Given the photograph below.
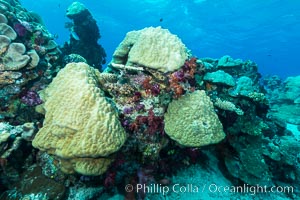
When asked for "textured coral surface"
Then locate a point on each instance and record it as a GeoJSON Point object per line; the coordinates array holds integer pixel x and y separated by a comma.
{"type": "Point", "coordinates": [192, 122]}
{"type": "Point", "coordinates": [151, 47]}
{"type": "Point", "coordinates": [79, 122]}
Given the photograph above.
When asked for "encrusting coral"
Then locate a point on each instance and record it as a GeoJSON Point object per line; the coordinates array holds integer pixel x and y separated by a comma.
{"type": "Point", "coordinates": [81, 126]}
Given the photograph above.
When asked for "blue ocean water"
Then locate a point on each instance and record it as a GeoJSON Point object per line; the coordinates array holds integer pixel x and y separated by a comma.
{"type": "Point", "coordinates": [266, 32]}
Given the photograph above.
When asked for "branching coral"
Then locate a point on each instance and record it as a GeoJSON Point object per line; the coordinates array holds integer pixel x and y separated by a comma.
{"type": "Point", "coordinates": [227, 105]}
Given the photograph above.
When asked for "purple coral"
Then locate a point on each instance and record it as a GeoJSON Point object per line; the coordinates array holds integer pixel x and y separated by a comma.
{"type": "Point", "coordinates": [139, 107]}
{"type": "Point", "coordinates": [20, 29]}
{"type": "Point", "coordinates": [155, 89]}
{"type": "Point", "coordinates": [128, 110]}
{"type": "Point", "coordinates": [31, 98]}
{"type": "Point", "coordinates": [179, 75]}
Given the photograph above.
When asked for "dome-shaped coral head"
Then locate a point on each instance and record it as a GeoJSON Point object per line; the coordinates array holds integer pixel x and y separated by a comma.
{"type": "Point", "coordinates": [76, 10]}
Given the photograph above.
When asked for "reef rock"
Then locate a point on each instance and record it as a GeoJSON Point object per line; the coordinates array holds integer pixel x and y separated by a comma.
{"type": "Point", "coordinates": [192, 122]}
{"type": "Point", "coordinates": [151, 47]}
{"type": "Point", "coordinates": [227, 61]}
{"type": "Point", "coordinates": [84, 36]}
{"type": "Point", "coordinates": [285, 101]}
{"type": "Point", "coordinates": [80, 124]}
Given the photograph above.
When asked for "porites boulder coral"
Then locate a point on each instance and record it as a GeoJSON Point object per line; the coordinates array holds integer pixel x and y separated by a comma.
{"type": "Point", "coordinates": [192, 122]}
{"type": "Point", "coordinates": [81, 126]}
{"type": "Point", "coordinates": [151, 47]}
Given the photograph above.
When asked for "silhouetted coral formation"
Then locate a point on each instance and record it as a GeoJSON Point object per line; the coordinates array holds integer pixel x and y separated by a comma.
{"type": "Point", "coordinates": [84, 36]}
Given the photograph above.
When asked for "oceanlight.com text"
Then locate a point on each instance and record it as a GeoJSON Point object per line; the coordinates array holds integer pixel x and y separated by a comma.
{"type": "Point", "coordinates": [211, 188]}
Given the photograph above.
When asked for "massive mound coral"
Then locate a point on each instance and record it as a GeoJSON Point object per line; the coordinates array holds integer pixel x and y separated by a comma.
{"type": "Point", "coordinates": [192, 122]}
{"type": "Point", "coordinates": [80, 125]}
{"type": "Point", "coordinates": [155, 48]}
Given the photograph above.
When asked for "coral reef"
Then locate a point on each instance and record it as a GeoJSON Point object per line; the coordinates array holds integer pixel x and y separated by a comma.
{"type": "Point", "coordinates": [156, 110]}
{"type": "Point", "coordinates": [84, 36]}
{"type": "Point", "coordinates": [28, 56]}
{"type": "Point", "coordinates": [80, 125]}
{"type": "Point", "coordinates": [284, 98]}
{"type": "Point", "coordinates": [12, 136]}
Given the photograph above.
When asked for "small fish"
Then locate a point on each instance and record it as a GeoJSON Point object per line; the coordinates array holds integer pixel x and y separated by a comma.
{"type": "Point", "coordinates": [69, 25]}
{"type": "Point", "coordinates": [55, 36]}
{"type": "Point", "coordinates": [74, 35]}
{"type": "Point", "coordinates": [161, 19]}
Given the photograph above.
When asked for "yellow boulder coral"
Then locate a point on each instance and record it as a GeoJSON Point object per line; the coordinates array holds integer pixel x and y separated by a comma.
{"type": "Point", "coordinates": [192, 122]}
{"type": "Point", "coordinates": [151, 47]}
{"type": "Point", "coordinates": [79, 121]}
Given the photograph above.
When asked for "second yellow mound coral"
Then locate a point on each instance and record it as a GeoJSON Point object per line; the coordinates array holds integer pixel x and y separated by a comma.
{"type": "Point", "coordinates": [80, 125]}
{"type": "Point", "coordinates": [151, 47]}
{"type": "Point", "coordinates": [192, 122]}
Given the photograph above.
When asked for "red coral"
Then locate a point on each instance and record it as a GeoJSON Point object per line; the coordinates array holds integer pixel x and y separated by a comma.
{"type": "Point", "coordinates": [190, 67]}
{"type": "Point", "coordinates": [151, 124]}
{"type": "Point", "coordinates": [155, 123]}
{"type": "Point", "coordinates": [109, 180]}
{"type": "Point", "coordinates": [150, 87]}
{"type": "Point", "coordinates": [184, 75]}
{"type": "Point", "coordinates": [146, 85]}
{"type": "Point", "coordinates": [175, 85]}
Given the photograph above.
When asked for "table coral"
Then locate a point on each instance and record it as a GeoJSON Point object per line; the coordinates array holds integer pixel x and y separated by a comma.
{"type": "Point", "coordinates": [14, 58]}
{"type": "Point", "coordinates": [7, 31]}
